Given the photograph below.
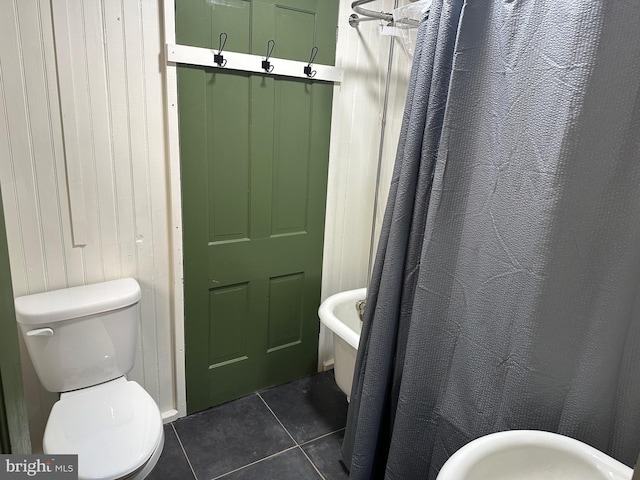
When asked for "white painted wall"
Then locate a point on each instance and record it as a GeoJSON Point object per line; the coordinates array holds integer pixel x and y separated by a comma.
{"type": "Point", "coordinates": [105, 104]}
{"type": "Point", "coordinates": [115, 75]}
{"type": "Point", "coordinates": [358, 104]}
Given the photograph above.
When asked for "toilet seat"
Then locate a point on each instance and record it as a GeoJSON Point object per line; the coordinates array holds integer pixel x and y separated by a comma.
{"type": "Point", "coordinates": [114, 427]}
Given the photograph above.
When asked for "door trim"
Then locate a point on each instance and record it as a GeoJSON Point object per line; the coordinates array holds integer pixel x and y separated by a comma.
{"type": "Point", "coordinates": [175, 197]}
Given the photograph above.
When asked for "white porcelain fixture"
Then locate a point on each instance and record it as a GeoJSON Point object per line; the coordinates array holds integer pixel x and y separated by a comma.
{"type": "Point", "coordinates": [82, 342]}
{"type": "Point", "coordinates": [338, 313]}
{"type": "Point", "coordinates": [531, 455]}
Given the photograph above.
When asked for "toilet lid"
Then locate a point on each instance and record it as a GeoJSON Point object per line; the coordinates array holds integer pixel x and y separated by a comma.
{"type": "Point", "coordinates": [113, 427]}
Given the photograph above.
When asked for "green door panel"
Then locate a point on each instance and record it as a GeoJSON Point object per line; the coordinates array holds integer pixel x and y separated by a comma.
{"type": "Point", "coordinates": [254, 156]}
{"type": "Point", "coordinates": [200, 22]}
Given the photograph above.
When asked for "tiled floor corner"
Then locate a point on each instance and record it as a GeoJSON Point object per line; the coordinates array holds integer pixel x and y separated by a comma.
{"type": "Point", "coordinates": [292, 431]}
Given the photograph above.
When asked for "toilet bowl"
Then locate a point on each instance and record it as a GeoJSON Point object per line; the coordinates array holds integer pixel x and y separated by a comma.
{"type": "Point", "coordinates": [82, 342]}
{"type": "Point", "coordinates": [112, 427]}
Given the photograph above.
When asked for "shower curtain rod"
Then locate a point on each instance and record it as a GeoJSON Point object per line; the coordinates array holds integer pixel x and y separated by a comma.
{"type": "Point", "coordinates": [368, 15]}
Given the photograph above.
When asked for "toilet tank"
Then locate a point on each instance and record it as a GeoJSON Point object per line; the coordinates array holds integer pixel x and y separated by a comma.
{"type": "Point", "coordinates": [81, 336]}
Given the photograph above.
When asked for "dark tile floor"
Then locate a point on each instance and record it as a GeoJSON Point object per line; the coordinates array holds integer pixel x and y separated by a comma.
{"type": "Point", "coordinates": [292, 431]}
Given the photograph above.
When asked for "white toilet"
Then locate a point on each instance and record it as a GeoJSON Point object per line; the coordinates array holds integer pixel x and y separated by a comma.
{"type": "Point", "coordinates": [82, 342]}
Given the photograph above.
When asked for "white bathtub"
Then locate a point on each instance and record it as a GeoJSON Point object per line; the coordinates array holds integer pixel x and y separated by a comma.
{"type": "Point", "coordinates": [338, 313]}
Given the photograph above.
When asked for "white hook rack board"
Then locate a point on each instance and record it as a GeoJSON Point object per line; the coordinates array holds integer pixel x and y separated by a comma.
{"type": "Point", "coordinates": [250, 63]}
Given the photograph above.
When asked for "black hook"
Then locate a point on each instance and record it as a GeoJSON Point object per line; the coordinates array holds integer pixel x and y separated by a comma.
{"type": "Point", "coordinates": [266, 65]}
{"type": "Point", "coordinates": [218, 58]}
{"type": "Point", "coordinates": [307, 70]}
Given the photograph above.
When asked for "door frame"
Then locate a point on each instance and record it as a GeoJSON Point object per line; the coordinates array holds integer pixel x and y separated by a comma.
{"type": "Point", "coordinates": [175, 198]}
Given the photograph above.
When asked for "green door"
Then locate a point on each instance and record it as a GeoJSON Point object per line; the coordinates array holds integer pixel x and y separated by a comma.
{"type": "Point", "coordinates": [254, 154]}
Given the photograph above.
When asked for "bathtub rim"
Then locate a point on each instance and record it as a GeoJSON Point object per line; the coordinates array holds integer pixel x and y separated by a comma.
{"type": "Point", "coordinates": [329, 319]}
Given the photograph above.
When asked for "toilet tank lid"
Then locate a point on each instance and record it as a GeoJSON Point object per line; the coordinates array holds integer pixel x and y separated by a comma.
{"type": "Point", "coordinates": [58, 305]}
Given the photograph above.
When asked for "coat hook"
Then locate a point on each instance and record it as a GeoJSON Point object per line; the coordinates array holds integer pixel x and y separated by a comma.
{"type": "Point", "coordinates": [307, 70]}
{"type": "Point", "coordinates": [266, 65]}
{"type": "Point", "coordinates": [218, 58]}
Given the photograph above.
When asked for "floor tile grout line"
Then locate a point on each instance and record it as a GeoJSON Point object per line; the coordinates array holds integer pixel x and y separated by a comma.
{"type": "Point", "coordinates": [296, 445]}
{"type": "Point", "coordinates": [294, 440]}
{"type": "Point", "coordinates": [311, 462]}
{"type": "Point", "coordinates": [321, 436]}
{"type": "Point", "coordinates": [184, 452]}
{"type": "Point", "coordinates": [276, 417]}
{"type": "Point", "coordinates": [255, 462]}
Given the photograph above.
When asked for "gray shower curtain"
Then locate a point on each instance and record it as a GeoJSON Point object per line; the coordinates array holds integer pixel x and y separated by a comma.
{"type": "Point", "coordinates": [506, 291]}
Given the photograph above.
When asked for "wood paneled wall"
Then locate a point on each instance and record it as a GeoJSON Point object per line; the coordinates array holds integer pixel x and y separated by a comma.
{"type": "Point", "coordinates": [358, 104]}
{"type": "Point", "coordinates": [97, 120]}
